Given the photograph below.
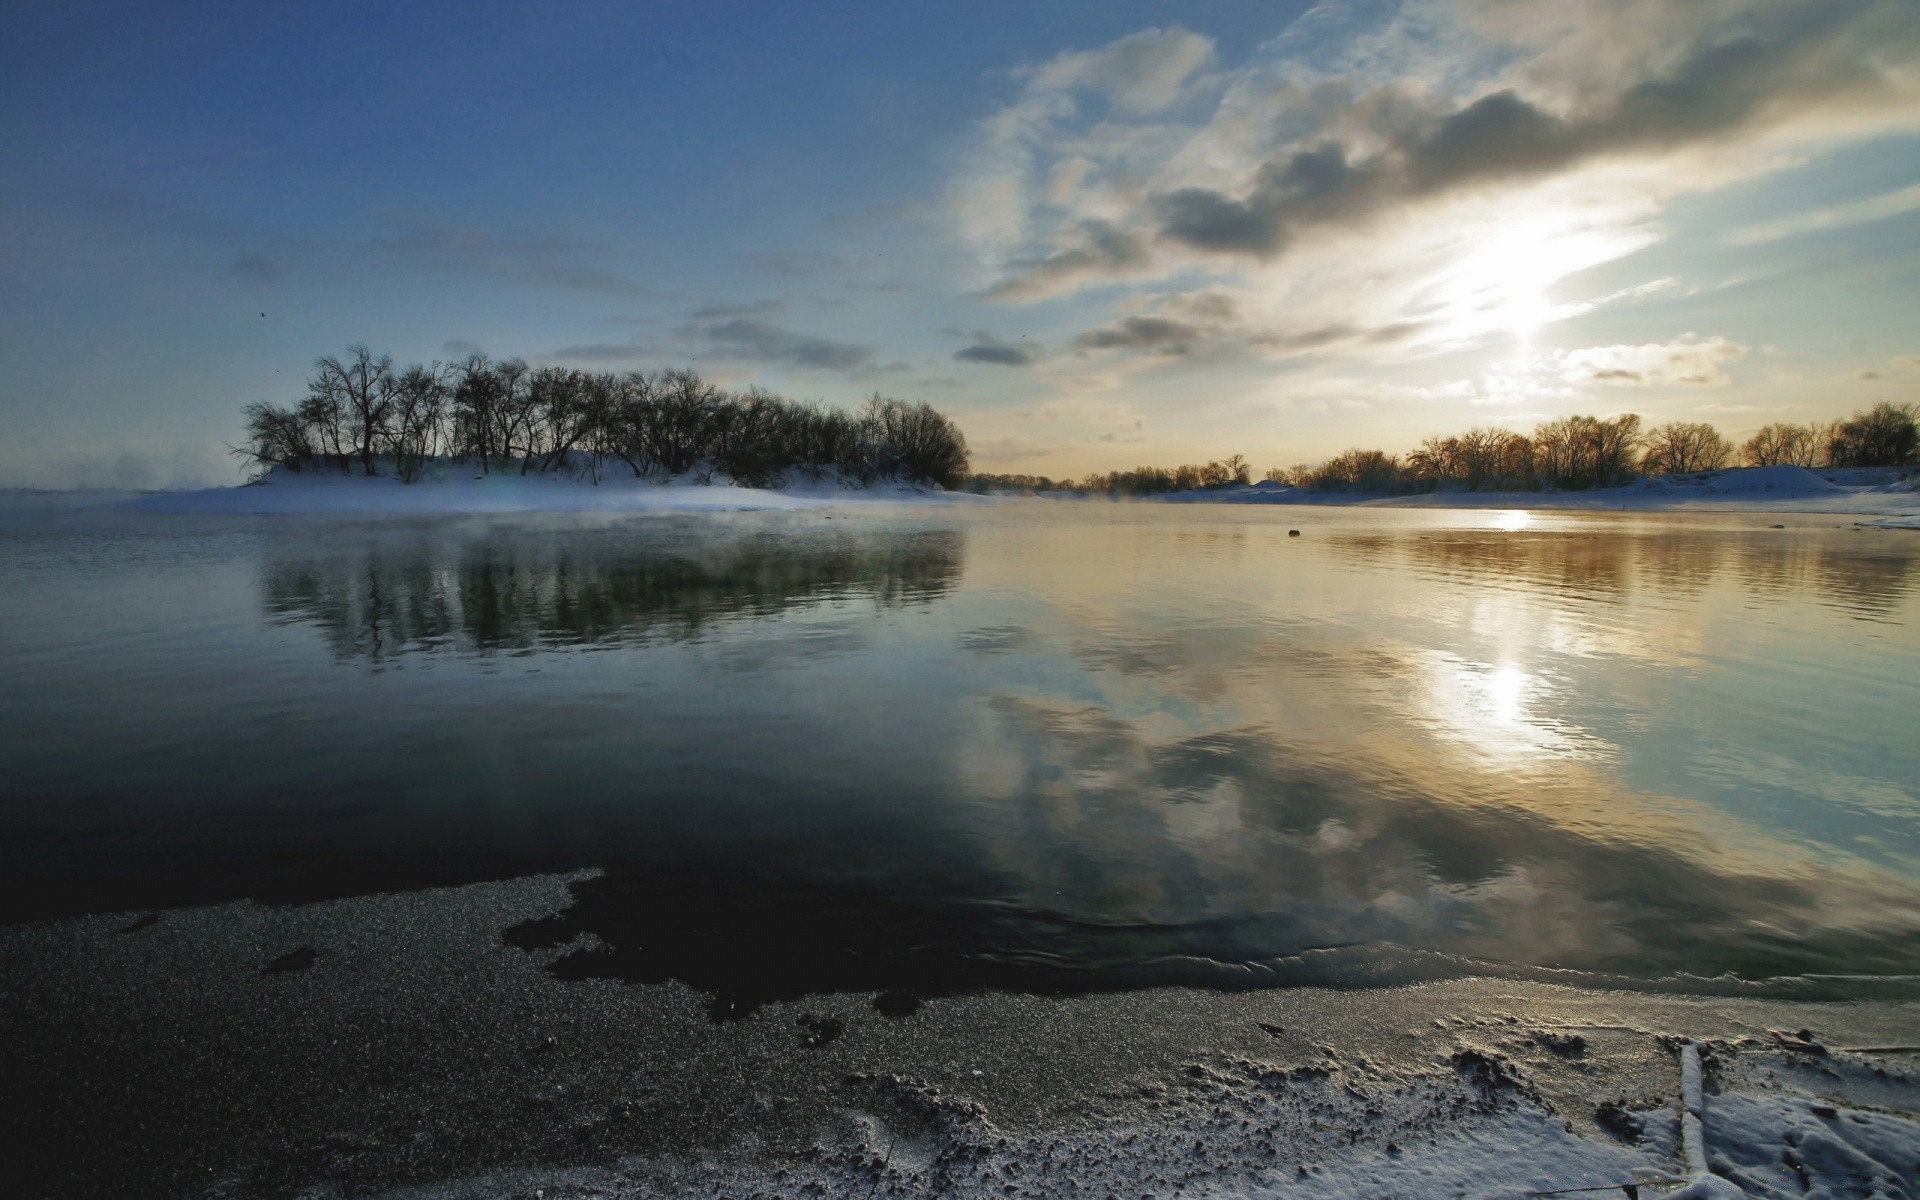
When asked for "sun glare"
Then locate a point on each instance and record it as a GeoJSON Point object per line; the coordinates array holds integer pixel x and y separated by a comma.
{"type": "Point", "coordinates": [1502, 284]}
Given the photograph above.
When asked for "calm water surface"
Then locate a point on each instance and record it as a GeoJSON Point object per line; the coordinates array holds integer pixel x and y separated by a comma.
{"type": "Point", "coordinates": [1036, 745]}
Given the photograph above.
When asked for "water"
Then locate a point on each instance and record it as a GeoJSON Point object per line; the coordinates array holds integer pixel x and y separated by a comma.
{"type": "Point", "coordinates": [1036, 745]}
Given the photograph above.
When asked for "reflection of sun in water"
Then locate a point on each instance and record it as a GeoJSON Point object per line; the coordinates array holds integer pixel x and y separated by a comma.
{"type": "Point", "coordinates": [1492, 707]}
{"type": "Point", "coordinates": [1505, 687]}
{"type": "Point", "coordinates": [1512, 520]}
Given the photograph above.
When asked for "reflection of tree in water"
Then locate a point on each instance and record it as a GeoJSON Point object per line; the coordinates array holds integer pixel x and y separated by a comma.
{"type": "Point", "coordinates": [506, 592]}
{"type": "Point", "coordinates": [1862, 575]}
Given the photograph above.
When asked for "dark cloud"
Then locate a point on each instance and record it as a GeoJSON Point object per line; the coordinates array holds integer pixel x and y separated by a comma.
{"type": "Point", "coordinates": [1103, 249]}
{"type": "Point", "coordinates": [527, 258]}
{"type": "Point", "coordinates": [1308, 339]}
{"type": "Point", "coordinates": [987, 348]}
{"type": "Point", "coordinates": [724, 312]}
{"type": "Point", "coordinates": [1156, 334]}
{"type": "Point", "coordinates": [603, 352]}
{"type": "Point", "coordinates": [1399, 331]}
{"type": "Point", "coordinates": [755, 340]}
{"type": "Point", "coordinates": [1005, 356]}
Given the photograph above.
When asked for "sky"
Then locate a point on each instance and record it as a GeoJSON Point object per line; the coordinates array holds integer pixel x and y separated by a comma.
{"type": "Point", "coordinates": [1097, 234]}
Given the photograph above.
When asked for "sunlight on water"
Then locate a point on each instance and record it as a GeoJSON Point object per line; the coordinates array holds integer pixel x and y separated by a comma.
{"type": "Point", "coordinates": [1038, 745]}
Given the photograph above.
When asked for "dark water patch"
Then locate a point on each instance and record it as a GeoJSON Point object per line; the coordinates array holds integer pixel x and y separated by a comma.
{"type": "Point", "coordinates": [292, 960]}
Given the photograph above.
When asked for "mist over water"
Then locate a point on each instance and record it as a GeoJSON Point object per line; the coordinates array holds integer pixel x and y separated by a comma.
{"type": "Point", "coordinates": [1043, 746]}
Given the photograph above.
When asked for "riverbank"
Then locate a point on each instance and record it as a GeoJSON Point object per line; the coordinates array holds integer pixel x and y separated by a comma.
{"type": "Point", "coordinates": [400, 1045]}
{"type": "Point", "coordinates": [1882, 492]}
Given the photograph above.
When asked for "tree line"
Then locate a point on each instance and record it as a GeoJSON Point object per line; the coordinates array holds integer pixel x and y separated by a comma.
{"type": "Point", "coordinates": [1569, 454]}
{"type": "Point", "coordinates": [362, 413]}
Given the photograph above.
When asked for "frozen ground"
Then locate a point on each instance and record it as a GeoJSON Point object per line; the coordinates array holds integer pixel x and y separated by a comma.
{"type": "Point", "coordinates": [394, 1045]}
{"type": "Point", "coordinates": [1890, 494]}
{"type": "Point", "coordinates": [1474, 1127]}
{"type": "Point", "coordinates": [450, 488]}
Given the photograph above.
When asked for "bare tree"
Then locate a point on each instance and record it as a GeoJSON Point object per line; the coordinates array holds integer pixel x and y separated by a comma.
{"type": "Point", "coordinates": [418, 419]}
{"type": "Point", "coordinates": [1885, 435]}
{"type": "Point", "coordinates": [1585, 452]}
{"type": "Point", "coordinates": [361, 390]}
{"type": "Point", "coordinates": [1679, 447]}
{"type": "Point", "coordinates": [1785, 444]}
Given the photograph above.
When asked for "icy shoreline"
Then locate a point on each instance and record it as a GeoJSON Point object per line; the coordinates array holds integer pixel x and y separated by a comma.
{"type": "Point", "coordinates": [162, 1049]}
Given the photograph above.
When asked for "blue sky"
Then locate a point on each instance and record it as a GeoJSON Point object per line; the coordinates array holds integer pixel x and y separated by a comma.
{"type": "Point", "coordinates": [1098, 234]}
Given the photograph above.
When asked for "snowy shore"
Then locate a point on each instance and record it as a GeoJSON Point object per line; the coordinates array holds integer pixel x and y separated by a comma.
{"type": "Point", "coordinates": [450, 488]}
{"type": "Point", "coordinates": [1886, 493]}
{"type": "Point", "coordinates": [1889, 496]}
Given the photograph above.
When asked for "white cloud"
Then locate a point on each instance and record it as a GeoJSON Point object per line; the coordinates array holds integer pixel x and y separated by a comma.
{"type": "Point", "coordinates": [1141, 73]}
{"type": "Point", "coordinates": [1833, 216]}
{"type": "Point", "coordinates": [1688, 362]}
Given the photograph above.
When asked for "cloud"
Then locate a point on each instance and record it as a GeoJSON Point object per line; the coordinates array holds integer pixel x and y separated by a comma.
{"type": "Point", "coordinates": [1158, 335]}
{"type": "Point", "coordinates": [604, 352]}
{"type": "Point", "coordinates": [1432, 108]}
{"type": "Point", "coordinates": [754, 340]}
{"type": "Point", "coordinates": [1097, 250]}
{"type": "Point", "coordinates": [1689, 362]}
{"type": "Point", "coordinates": [987, 348]}
{"type": "Point", "coordinates": [460, 348]}
{"type": "Point", "coordinates": [1141, 73]}
{"type": "Point", "coordinates": [527, 258]}
{"type": "Point", "coordinates": [1002, 451]}
{"type": "Point", "coordinates": [1834, 216]}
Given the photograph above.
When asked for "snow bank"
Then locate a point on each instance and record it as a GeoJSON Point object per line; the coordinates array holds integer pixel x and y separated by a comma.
{"type": "Point", "coordinates": [449, 489]}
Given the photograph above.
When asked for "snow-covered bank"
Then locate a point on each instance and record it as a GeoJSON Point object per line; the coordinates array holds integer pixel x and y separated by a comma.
{"type": "Point", "coordinates": [1778, 1126]}
{"type": "Point", "coordinates": [453, 489]}
{"type": "Point", "coordinates": [1862, 491]}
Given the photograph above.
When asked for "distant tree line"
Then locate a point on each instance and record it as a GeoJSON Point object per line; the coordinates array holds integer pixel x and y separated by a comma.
{"type": "Point", "coordinates": [1579, 452]}
{"type": "Point", "coordinates": [1568, 454]}
{"type": "Point", "coordinates": [1141, 481]}
{"type": "Point", "coordinates": [363, 413]}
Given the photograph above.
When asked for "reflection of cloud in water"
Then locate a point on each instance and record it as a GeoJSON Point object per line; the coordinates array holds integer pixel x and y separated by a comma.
{"type": "Point", "coordinates": [596, 588]}
{"type": "Point", "coordinates": [1239, 844]}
